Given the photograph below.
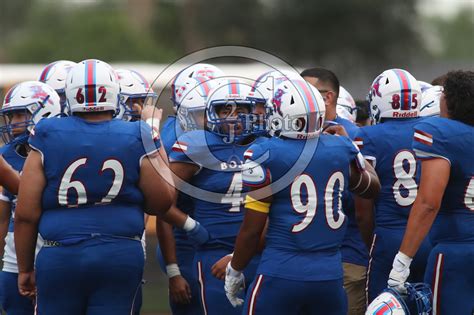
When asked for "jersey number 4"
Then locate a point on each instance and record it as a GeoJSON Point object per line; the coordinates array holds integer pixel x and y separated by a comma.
{"type": "Point", "coordinates": [308, 208]}
{"type": "Point", "coordinates": [67, 182]}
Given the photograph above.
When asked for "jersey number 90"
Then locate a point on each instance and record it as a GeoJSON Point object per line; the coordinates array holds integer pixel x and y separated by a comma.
{"type": "Point", "coordinates": [309, 208]}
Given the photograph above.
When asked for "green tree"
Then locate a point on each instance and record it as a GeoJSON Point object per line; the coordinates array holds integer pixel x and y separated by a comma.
{"type": "Point", "coordinates": [456, 35]}
{"type": "Point", "coordinates": [100, 30]}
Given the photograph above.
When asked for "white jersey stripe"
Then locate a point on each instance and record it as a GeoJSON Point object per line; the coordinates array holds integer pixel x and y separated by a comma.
{"type": "Point", "coordinates": [254, 295]}
{"type": "Point", "coordinates": [419, 136]}
{"type": "Point", "coordinates": [201, 284]}
{"type": "Point", "coordinates": [437, 282]}
{"type": "Point", "coordinates": [368, 271]}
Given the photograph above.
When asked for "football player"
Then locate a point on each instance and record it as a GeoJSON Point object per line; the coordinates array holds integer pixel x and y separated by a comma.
{"type": "Point", "coordinates": [85, 186]}
{"type": "Point", "coordinates": [262, 91]}
{"type": "Point", "coordinates": [445, 201]}
{"type": "Point", "coordinates": [54, 75]}
{"type": "Point", "coordinates": [394, 100]}
{"type": "Point", "coordinates": [135, 93]}
{"type": "Point", "coordinates": [24, 106]}
{"type": "Point", "coordinates": [354, 251]}
{"type": "Point", "coordinates": [176, 249]}
{"type": "Point", "coordinates": [211, 161]}
{"type": "Point", "coordinates": [300, 271]}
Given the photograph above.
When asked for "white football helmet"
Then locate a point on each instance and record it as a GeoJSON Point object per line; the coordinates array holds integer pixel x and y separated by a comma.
{"type": "Point", "coordinates": [346, 101]}
{"type": "Point", "coordinates": [296, 111]}
{"type": "Point", "coordinates": [55, 75]}
{"type": "Point", "coordinates": [133, 86]}
{"type": "Point", "coordinates": [192, 107]}
{"type": "Point", "coordinates": [36, 99]}
{"type": "Point", "coordinates": [394, 94]}
{"type": "Point", "coordinates": [342, 112]}
{"type": "Point", "coordinates": [230, 92]}
{"type": "Point", "coordinates": [430, 101]}
{"type": "Point", "coordinates": [417, 301]}
{"type": "Point", "coordinates": [424, 86]}
{"type": "Point", "coordinates": [178, 89]}
{"type": "Point", "coordinates": [92, 86]}
{"type": "Point", "coordinates": [265, 86]}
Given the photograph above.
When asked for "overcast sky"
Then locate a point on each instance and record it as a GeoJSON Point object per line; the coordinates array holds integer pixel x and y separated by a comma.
{"type": "Point", "coordinates": [444, 7]}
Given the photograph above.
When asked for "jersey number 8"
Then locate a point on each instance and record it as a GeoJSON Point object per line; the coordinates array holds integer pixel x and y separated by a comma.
{"type": "Point", "coordinates": [405, 178]}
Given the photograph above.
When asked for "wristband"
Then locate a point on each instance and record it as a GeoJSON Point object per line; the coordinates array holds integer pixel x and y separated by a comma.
{"type": "Point", "coordinates": [189, 224]}
{"type": "Point", "coordinates": [232, 272]}
{"type": "Point", "coordinates": [402, 261]}
{"type": "Point", "coordinates": [172, 270]}
{"type": "Point", "coordinates": [154, 123]}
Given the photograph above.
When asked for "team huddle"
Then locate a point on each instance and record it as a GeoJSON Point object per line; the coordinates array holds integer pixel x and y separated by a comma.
{"type": "Point", "coordinates": [268, 197]}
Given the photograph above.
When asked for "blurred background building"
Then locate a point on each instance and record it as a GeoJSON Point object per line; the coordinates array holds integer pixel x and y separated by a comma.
{"type": "Point", "coordinates": [357, 39]}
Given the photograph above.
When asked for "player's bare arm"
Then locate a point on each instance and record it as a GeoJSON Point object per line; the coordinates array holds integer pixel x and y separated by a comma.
{"type": "Point", "coordinates": [179, 289]}
{"type": "Point", "coordinates": [434, 179]}
{"type": "Point", "coordinates": [27, 216]}
{"type": "Point", "coordinates": [364, 182]}
{"type": "Point", "coordinates": [9, 178]}
{"type": "Point", "coordinates": [155, 185]}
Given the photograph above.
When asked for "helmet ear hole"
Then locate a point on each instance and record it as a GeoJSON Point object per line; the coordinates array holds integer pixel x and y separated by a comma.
{"type": "Point", "coordinates": [292, 101]}
{"type": "Point", "coordinates": [387, 81]}
{"type": "Point", "coordinates": [300, 124]}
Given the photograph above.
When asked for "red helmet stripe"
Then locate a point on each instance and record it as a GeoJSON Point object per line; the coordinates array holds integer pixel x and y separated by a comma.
{"type": "Point", "coordinates": [405, 95]}
{"type": "Point", "coordinates": [90, 90]}
{"type": "Point", "coordinates": [204, 85]}
{"type": "Point", "coordinates": [8, 96]}
{"type": "Point", "coordinates": [310, 101]}
{"type": "Point", "coordinates": [44, 74]}
{"type": "Point", "coordinates": [233, 87]}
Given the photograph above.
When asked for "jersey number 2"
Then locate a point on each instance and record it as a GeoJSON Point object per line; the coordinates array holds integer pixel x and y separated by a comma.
{"type": "Point", "coordinates": [67, 182]}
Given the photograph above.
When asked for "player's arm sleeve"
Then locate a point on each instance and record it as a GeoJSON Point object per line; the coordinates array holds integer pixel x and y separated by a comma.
{"type": "Point", "coordinates": [356, 156]}
{"type": "Point", "coordinates": [429, 143]}
{"type": "Point", "coordinates": [255, 175]}
{"type": "Point", "coordinates": [186, 150]}
{"type": "Point", "coordinates": [38, 138]}
{"type": "Point", "coordinates": [365, 145]}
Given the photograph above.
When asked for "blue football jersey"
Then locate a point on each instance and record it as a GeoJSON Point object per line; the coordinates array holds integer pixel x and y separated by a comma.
{"type": "Point", "coordinates": [306, 220]}
{"type": "Point", "coordinates": [452, 140]}
{"type": "Point", "coordinates": [170, 132]}
{"type": "Point", "coordinates": [350, 127]}
{"type": "Point", "coordinates": [17, 161]}
{"type": "Point", "coordinates": [388, 145]}
{"type": "Point", "coordinates": [218, 183]}
{"type": "Point", "coordinates": [92, 173]}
